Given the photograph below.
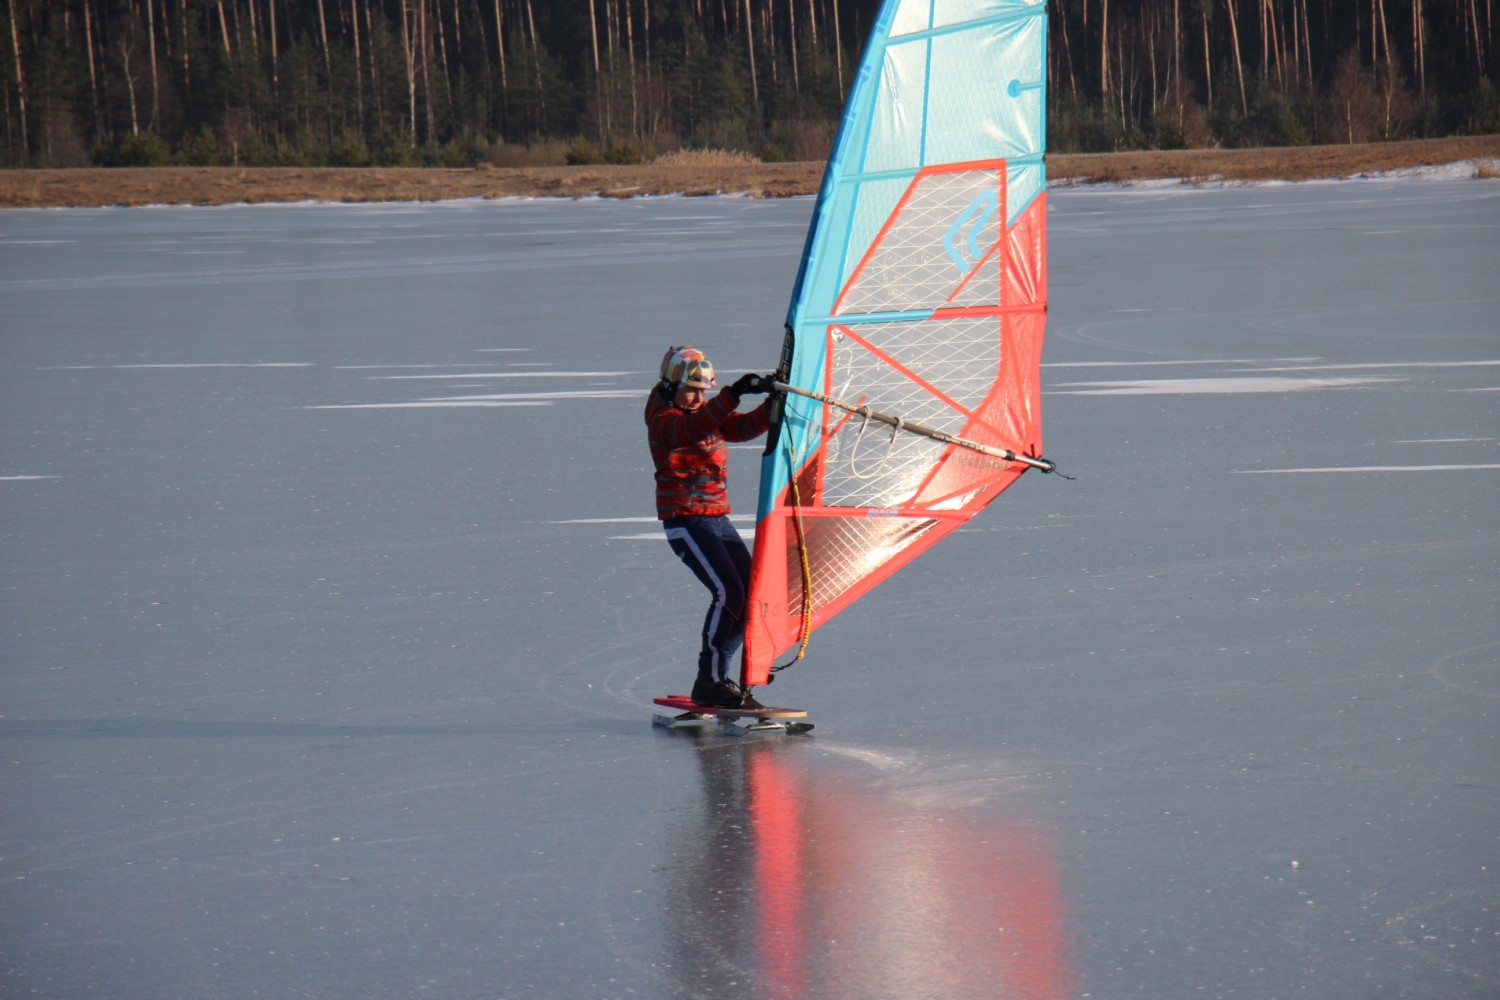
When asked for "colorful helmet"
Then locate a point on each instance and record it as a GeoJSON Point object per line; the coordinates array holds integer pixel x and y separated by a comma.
{"type": "Point", "coordinates": [687, 366]}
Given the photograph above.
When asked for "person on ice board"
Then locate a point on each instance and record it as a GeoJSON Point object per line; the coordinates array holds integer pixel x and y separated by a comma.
{"type": "Point", "coordinates": [687, 432]}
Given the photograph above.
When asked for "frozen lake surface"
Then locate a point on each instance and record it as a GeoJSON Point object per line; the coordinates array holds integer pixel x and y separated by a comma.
{"type": "Point", "coordinates": [332, 610]}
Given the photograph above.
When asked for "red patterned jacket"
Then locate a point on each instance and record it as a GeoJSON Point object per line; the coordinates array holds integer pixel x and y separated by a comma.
{"type": "Point", "coordinates": [688, 450]}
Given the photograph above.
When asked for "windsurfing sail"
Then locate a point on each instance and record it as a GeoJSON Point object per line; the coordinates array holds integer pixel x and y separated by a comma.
{"type": "Point", "coordinates": [910, 366]}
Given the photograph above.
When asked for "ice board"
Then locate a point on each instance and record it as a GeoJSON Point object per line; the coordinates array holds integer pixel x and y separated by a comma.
{"type": "Point", "coordinates": [693, 714]}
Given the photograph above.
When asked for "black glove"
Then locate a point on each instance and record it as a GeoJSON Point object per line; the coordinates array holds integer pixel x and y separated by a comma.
{"type": "Point", "coordinates": [750, 384]}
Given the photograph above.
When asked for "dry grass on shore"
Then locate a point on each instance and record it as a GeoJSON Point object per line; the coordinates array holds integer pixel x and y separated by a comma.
{"type": "Point", "coordinates": [91, 187]}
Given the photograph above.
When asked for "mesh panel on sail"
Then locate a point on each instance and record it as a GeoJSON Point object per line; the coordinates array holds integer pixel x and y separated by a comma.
{"type": "Point", "coordinates": [946, 226]}
{"type": "Point", "coordinates": [844, 550]}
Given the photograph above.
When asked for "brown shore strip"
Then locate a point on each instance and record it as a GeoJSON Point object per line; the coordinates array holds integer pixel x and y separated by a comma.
{"type": "Point", "coordinates": [94, 187]}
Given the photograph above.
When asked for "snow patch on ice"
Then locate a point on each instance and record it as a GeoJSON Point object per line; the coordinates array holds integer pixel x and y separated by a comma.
{"type": "Point", "coordinates": [490, 400]}
{"type": "Point", "coordinates": [183, 364]}
{"type": "Point", "coordinates": [546, 396]}
{"type": "Point", "coordinates": [424, 405]}
{"type": "Point", "coordinates": [739, 518]}
{"type": "Point", "coordinates": [528, 374]}
{"type": "Point", "coordinates": [1153, 363]}
{"type": "Point", "coordinates": [1210, 386]}
{"type": "Point", "coordinates": [1370, 468]}
{"type": "Point", "coordinates": [745, 522]}
{"type": "Point", "coordinates": [1446, 441]}
{"type": "Point", "coordinates": [1461, 170]}
{"type": "Point", "coordinates": [359, 368]}
{"type": "Point", "coordinates": [222, 364]}
{"type": "Point", "coordinates": [1383, 364]}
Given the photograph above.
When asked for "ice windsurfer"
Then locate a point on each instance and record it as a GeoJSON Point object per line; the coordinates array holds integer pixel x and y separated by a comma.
{"type": "Point", "coordinates": [688, 433]}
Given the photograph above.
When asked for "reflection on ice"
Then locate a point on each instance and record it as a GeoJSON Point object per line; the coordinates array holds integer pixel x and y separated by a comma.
{"type": "Point", "coordinates": [808, 876]}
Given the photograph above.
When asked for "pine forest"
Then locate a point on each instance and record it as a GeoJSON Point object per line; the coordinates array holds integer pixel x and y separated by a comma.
{"type": "Point", "coordinates": [530, 82]}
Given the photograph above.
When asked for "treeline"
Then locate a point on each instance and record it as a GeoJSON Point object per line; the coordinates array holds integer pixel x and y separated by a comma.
{"type": "Point", "coordinates": [1237, 73]}
{"type": "Point", "coordinates": [457, 82]}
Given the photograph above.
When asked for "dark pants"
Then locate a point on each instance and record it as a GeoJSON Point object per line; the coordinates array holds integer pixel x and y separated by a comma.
{"type": "Point", "coordinates": [719, 559]}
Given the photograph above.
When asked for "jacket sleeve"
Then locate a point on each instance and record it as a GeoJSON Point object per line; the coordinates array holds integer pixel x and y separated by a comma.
{"type": "Point", "coordinates": [746, 426]}
{"type": "Point", "coordinates": [673, 428]}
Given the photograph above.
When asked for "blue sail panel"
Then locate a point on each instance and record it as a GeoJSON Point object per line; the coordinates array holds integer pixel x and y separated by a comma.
{"type": "Point", "coordinates": [925, 248]}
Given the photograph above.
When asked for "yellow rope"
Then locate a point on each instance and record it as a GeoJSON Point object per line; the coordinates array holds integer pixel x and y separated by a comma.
{"type": "Point", "coordinates": [807, 601]}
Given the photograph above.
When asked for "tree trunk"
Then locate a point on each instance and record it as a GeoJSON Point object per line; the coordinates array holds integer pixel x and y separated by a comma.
{"type": "Point", "coordinates": [646, 56]}
{"type": "Point", "coordinates": [635, 109]}
{"type": "Point", "coordinates": [254, 34]}
{"type": "Point", "coordinates": [1239, 69]}
{"type": "Point", "coordinates": [1125, 92]}
{"type": "Point", "coordinates": [1296, 46]}
{"type": "Point", "coordinates": [599, 108]}
{"type": "Point", "coordinates": [422, 40]}
{"type": "Point", "coordinates": [411, 67]}
{"type": "Point", "coordinates": [1419, 48]}
{"type": "Point", "coordinates": [838, 51]}
{"type": "Point", "coordinates": [151, 55]}
{"type": "Point", "coordinates": [224, 32]}
{"type": "Point", "coordinates": [375, 89]}
{"type": "Point", "coordinates": [187, 70]}
{"type": "Point", "coordinates": [536, 62]}
{"type": "Point", "coordinates": [1478, 44]}
{"type": "Point", "coordinates": [1388, 86]}
{"type": "Point", "coordinates": [88, 39]}
{"type": "Point", "coordinates": [1103, 47]}
{"type": "Point", "coordinates": [1265, 45]}
{"type": "Point", "coordinates": [1383, 35]}
{"type": "Point", "coordinates": [125, 45]}
{"type": "Point", "coordinates": [500, 52]}
{"type": "Point", "coordinates": [1208, 69]}
{"type": "Point", "coordinates": [1278, 39]}
{"type": "Point", "coordinates": [359, 69]}
{"type": "Point", "coordinates": [327, 55]}
{"type": "Point", "coordinates": [15, 48]}
{"type": "Point", "coordinates": [271, 35]}
{"type": "Point", "coordinates": [1177, 55]}
{"type": "Point", "coordinates": [1067, 48]}
{"type": "Point", "coordinates": [442, 52]}
{"type": "Point", "coordinates": [1151, 61]}
{"type": "Point", "coordinates": [791, 27]}
{"type": "Point", "coordinates": [750, 45]}
{"type": "Point", "coordinates": [1307, 43]}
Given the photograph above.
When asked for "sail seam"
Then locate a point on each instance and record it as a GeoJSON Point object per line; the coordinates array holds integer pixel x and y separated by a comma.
{"type": "Point", "coordinates": [1006, 17]}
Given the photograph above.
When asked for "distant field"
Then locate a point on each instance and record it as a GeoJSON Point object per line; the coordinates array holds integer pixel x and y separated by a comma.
{"type": "Point", "coordinates": [224, 185]}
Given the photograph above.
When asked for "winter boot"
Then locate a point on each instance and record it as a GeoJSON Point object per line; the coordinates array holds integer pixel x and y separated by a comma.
{"type": "Point", "coordinates": [722, 694]}
{"type": "Point", "coordinates": [703, 692]}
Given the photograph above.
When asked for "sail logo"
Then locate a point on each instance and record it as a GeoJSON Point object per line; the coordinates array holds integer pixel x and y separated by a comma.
{"type": "Point", "coordinates": [962, 241]}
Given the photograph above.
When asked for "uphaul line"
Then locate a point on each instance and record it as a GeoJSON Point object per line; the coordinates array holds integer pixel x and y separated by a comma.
{"type": "Point", "coordinates": [1044, 464]}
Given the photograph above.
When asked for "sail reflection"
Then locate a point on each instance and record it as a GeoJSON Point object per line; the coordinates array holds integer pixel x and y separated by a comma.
{"type": "Point", "coordinates": [809, 875]}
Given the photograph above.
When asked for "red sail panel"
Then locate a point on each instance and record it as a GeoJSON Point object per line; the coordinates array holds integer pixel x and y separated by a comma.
{"type": "Point", "coordinates": [941, 324]}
